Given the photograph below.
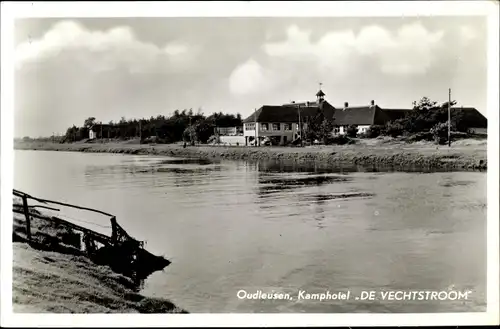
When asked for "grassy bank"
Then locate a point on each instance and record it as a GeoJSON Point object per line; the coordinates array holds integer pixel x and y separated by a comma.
{"type": "Point", "coordinates": [463, 154]}
{"type": "Point", "coordinates": [45, 281]}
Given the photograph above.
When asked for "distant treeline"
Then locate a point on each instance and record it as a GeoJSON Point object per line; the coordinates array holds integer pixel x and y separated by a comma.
{"type": "Point", "coordinates": [181, 126]}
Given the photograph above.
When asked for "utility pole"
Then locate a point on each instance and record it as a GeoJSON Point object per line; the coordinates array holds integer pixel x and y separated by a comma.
{"type": "Point", "coordinates": [255, 124]}
{"type": "Point", "coordinates": [449, 117]}
{"type": "Point", "coordinates": [300, 126]}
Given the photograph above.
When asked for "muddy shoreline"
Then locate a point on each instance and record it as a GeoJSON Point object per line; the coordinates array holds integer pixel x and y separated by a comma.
{"type": "Point", "coordinates": [50, 275]}
{"type": "Point", "coordinates": [399, 155]}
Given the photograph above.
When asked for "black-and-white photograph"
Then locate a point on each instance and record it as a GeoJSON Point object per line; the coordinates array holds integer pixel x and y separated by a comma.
{"type": "Point", "coordinates": [250, 164]}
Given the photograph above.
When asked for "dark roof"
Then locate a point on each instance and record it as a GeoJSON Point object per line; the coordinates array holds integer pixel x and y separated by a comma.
{"type": "Point", "coordinates": [394, 114]}
{"type": "Point", "coordinates": [473, 117]}
{"type": "Point", "coordinates": [320, 93]}
{"type": "Point", "coordinates": [289, 112]}
{"type": "Point", "coordinates": [360, 115]}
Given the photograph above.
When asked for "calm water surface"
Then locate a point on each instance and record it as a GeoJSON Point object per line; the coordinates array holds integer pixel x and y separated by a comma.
{"type": "Point", "coordinates": [228, 226]}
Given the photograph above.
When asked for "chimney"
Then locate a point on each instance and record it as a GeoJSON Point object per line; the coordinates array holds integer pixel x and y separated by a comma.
{"type": "Point", "coordinates": [307, 103]}
{"type": "Point", "coordinates": [372, 103]}
{"type": "Point", "coordinates": [346, 105]}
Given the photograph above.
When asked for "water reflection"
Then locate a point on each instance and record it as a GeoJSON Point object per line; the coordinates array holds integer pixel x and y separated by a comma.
{"type": "Point", "coordinates": [282, 225]}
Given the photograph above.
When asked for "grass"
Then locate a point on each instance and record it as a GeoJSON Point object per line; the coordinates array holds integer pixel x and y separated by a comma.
{"type": "Point", "coordinates": [65, 281]}
{"type": "Point", "coordinates": [469, 154]}
{"type": "Point", "coordinates": [51, 282]}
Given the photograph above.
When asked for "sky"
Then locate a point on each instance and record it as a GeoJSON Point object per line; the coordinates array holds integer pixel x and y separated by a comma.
{"type": "Point", "coordinates": [67, 70]}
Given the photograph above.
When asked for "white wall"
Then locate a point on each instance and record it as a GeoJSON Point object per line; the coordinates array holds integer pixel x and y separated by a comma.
{"type": "Point", "coordinates": [233, 140]}
{"type": "Point", "coordinates": [363, 128]}
{"type": "Point", "coordinates": [261, 132]}
{"type": "Point", "coordinates": [91, 134]}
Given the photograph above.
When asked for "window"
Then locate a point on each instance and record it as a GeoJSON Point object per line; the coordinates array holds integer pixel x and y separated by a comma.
{"type": "Point", "coordinates": [249, 126]}
{"type": "Point", "coordinates": [265, 126]}
{"type": "Point", "coordinates": [276, 126]}
{"type": "Point", "coordinates": [288, 126]}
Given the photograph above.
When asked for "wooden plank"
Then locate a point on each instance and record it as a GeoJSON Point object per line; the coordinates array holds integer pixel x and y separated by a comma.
{"type": "Point", "coordinates": [45, 207]}
{"type": "Point", "coordinates": [21, 194]}
{"type": "Point", "coordinates": [116, 228]}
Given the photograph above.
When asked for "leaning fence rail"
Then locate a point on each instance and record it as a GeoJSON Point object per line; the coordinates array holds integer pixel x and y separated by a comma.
{"type": "Point", "coordinates": [118, 234]}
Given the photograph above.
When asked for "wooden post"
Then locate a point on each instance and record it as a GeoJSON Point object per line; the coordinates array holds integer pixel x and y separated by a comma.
{"type": "Point", "coordinates": [28, 219]}
{"type": "Point", "coordinates": [449, 117]}
{"type": "Point", "coordinates": [300, 127]}
{"type": "Point", "coordinates": [114, 230]}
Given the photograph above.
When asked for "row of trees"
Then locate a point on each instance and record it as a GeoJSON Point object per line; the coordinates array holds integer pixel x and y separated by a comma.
{"type": "Point", "coordinates": [181, 125]}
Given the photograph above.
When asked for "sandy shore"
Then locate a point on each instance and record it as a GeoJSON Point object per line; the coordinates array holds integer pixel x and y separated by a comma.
{"type": "Point", "coordinates": [45, 281]}
{"type": "Point", "coordinates": [463, 154]}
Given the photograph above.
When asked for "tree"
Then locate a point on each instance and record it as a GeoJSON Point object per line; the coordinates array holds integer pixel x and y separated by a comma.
{"type": "Point", "coordinates": [395, 128]}
{"type": "Point", "coordinates": [424, 116]}
{"type": "Point", "coordinates": [325, 130]}
{"type": "Point", "coordinates": [204, 130]}
{"type": "Point", "coordinates": [189, 135]}
{"type": "Point", "coordinates": [89, 122]}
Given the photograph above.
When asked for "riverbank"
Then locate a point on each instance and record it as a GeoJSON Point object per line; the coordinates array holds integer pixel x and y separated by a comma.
{"type": "Point", "coordinates": [463, 154]}
{"type": "Point", "coordinates": [45, 281]}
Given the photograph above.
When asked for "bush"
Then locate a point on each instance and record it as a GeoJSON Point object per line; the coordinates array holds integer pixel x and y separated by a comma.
{"type": "Point", "coordinates": [352, 131]}
{"type": "Point", "coordinates": [374, 131]}
{"type": "Point", "coordinates": [394, 129]}
{"type": "Point", "coordinates": [422, 136]}
{"type": "Point", "coordinates": [440, 133]}
{"type": "Point", "coordinates": [153, 140]}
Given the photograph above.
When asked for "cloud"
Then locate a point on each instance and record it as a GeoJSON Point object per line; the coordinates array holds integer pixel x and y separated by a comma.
{"type": "Point", "coordinates": [467, 33]}
{"type": "Point", "coordinates": [103, 49]}
{"type": "Point", "coordinates": [71, 73]}
{"type": "Point", "coordinates": [175, 49]}
{"type": "Point", "coordinates": [409, 51]}
{"type": "Point", "coordinates": [249, 77]}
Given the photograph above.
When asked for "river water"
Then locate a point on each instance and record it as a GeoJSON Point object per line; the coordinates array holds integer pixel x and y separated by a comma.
{"type": "Point", "coordinates": [231, 226]}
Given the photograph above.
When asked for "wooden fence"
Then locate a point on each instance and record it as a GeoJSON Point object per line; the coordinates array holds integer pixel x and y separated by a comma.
{"type": "Point", "coordinates": [118, 235]}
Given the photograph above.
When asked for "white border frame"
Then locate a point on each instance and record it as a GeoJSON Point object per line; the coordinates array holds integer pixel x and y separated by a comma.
{"type": "Point", "coordinates": [10, 10]}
